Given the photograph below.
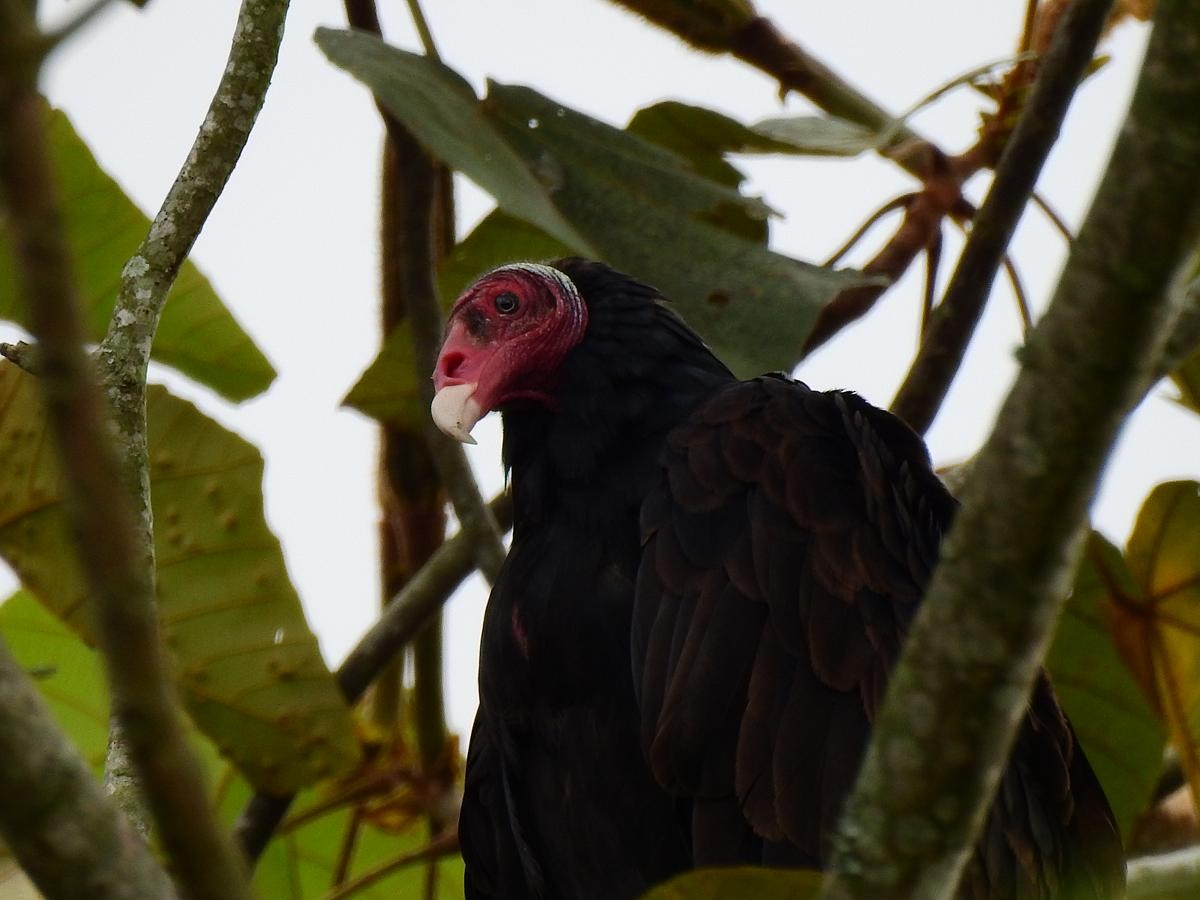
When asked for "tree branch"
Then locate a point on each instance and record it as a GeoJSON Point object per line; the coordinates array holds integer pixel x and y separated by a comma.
{"type": "Point", "coordinates": [956, 696]}
{"type": "Point", "coordinates": [954, 320]}
{"type": "Point", "coordinates": [402, 619]}
{"type": "Point", "coordinates": [102, 520]}
{"type": "Point", "coordinates": [1169, 876]}
{"type": "Point", "coordinates": [147, 278]}
{"type": "Point", "coordinates": [64, 832]}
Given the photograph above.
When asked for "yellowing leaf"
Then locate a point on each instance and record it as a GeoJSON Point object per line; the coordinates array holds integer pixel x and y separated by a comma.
{"type": "Point", "coordinates": [246, 662]}
{"type": "Point", "coordinates": [1119, 732]}
{"type": "Point", "coordinates": [67, 673]}
{"type": "Point", "coordinates": [197, 334]}
{"type": "Point", "coordinates": [1157, 623]}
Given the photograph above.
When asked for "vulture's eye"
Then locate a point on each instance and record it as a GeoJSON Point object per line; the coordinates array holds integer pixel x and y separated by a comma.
{"type": "Point", "coordinates": [506, 303]}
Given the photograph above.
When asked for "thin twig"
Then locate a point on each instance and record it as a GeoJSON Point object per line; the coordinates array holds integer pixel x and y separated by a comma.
{"type": "Point", "coordinates": [443, 845]}
{"type": "Point", "coordinates": [56, 37]}
{"type": "Point", "coordinates": [1010, 556]}
{"type": "Point", "coordinates": [23, 355]}
{"type": "Point", "coordinates": [1056, 220]}
{"type": "Point", "coordinates": [1031, 8]}
{"type": "Point", "coordinates": [955, 319]}
{"type": "Point", "coordinates": [403, 617]}
{"type": "Point", "coordinates": [1018, 289]}
{"type": "Point", "coordinates": [933, 259]}
{"type": "Point", "coordinates": [894, 204]}
{"type": "Point", "coordinates": [418, 15]}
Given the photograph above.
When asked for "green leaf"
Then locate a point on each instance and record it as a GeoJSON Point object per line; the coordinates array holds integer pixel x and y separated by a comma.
{"type": "Point", "coordinates": [639, 206]}
{"type": "Point", "coordinates": [817, 135]}
{"type": "Point", "coordinates": [388, 390]}
{"type": "Point", "coordinates": [67, 673]}
{"type": "Point", "coordinates": [739, 884]}
{"type": "Point", "coordinates": [245, 660]}
{"type": "Point", "coordinates": [703, 137]}
{"type": "Point", "coordinates": [197, 335]}
{"type": "Point", "coordinates": [1157, 623]}
{"type": "Point", "coordinates": [1120, 734]}
{"type": "Point", "coordinates": [442, 111]}
{"type": "Point", "coordinates": [498, 239]}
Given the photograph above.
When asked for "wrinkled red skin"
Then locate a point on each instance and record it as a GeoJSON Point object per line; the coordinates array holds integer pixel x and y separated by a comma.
{"type": "Point", "coordinates": [511, 356]}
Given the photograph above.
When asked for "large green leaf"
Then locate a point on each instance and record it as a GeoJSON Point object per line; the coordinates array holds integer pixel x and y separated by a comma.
{"type": "Point", "coordinates": [637, 205]}
{"type": "Point", "coordinates": [67, 673]}
{"type": "Point", "coordinates": [498, 239]}
{"type": "Point", "coordinates": [1123, 739]}
{"type": "Point", "coordinates": [197, 334]}
{"type": "Point", "coordinates": [740, 884]}
{"type": "Point", "coordinates": [246, 662]}
{"type": "Point", "coordinates": [1157, 622]}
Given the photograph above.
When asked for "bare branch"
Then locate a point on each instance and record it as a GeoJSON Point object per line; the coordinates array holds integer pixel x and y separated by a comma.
{"type": "Point", "coordinates": [1010, 556]}
{"type": "Point", "coordinates": [954, 320]}
{"type": "Point", "coordinates": [64, 832]}
{"type": "Point", "coordinates": [442, 845]}
{"type": "Point", "coordinates": [101, 517]}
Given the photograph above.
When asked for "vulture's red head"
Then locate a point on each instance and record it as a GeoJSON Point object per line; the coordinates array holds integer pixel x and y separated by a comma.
{"type": "Point", "coordinates": [505, 341]}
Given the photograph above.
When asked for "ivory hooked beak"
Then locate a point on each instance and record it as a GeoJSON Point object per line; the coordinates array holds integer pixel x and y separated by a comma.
{"type": "Point", "coordinates": [455, 411]}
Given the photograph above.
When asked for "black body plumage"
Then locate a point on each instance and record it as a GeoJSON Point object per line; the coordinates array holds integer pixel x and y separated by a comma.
{"type": "Point", "coordinates": [708, 584]}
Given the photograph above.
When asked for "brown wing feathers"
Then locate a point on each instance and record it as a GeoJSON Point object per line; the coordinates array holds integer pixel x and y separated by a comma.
{"type": "Point", "coordinates": [785, 552]}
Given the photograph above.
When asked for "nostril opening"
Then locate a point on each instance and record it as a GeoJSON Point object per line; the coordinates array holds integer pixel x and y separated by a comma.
{"type": "Point", "coordinates": [451, 362]}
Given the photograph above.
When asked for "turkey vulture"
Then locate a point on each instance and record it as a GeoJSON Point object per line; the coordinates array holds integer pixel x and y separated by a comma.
{"type": "Point", "coordinates": [708, 584]}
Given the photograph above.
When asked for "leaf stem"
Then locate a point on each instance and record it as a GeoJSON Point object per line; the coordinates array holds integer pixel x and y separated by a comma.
{"type": "Point", "coordinates": [954, 321]}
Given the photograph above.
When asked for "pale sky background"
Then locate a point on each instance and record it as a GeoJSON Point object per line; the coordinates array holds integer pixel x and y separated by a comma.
{"type": "Point", "coordinates": [292, 247]}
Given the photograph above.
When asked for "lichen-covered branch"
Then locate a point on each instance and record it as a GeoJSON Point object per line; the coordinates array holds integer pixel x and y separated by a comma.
{"type": "Point", "coordinates": [100, 513]}
{"type": "Point", "coordinates": [953, 323]}
{"type": "Point", "coordinates": [64, 832]}
{"type": "Point", "coordinates": [400, 622]}
{"type": "Point", "coordinates": [990, 610]}
{"type": "Point", "coordinates": [147, 277]}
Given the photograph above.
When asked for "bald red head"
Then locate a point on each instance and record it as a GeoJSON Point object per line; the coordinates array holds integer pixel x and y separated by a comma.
{"type": "Point", "coordinates": [506, 338]}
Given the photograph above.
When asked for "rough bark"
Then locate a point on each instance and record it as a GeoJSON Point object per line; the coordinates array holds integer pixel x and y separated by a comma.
{"type": "Point", "coordinates": [957, 695]}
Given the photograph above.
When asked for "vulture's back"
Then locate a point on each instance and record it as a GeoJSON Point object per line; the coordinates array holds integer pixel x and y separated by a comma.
{"type": "Point", "coordinates": [786, 547]}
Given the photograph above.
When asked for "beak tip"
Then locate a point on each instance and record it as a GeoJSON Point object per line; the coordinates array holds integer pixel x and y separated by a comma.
{"type": "Point", "coordinates": [455, 411]}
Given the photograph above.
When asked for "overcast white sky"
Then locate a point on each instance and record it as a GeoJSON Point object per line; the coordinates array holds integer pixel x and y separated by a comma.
{"type": "Point", "coordinates": [291, 247]}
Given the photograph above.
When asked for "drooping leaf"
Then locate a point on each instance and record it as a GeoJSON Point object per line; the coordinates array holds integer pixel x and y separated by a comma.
{"type": "Point", "coordinates": [639, 206]}
{"type": "Point", "coordinates": [703, 137]}
{"type": "Point", "coordinates": [1157, 621]}
{"type": "Point", "coordinates": [388, 390]}
{"type": "Point", "coordinates": [246, 662]}
{"type": "Point", "coordinates": [66, 672]}
{"type": "Point", "coordinates": [739, 884]}
{"type": "Point", "coordinates": [1119, 732]}
{"type": "Point", "coordinates": [197, 334]}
